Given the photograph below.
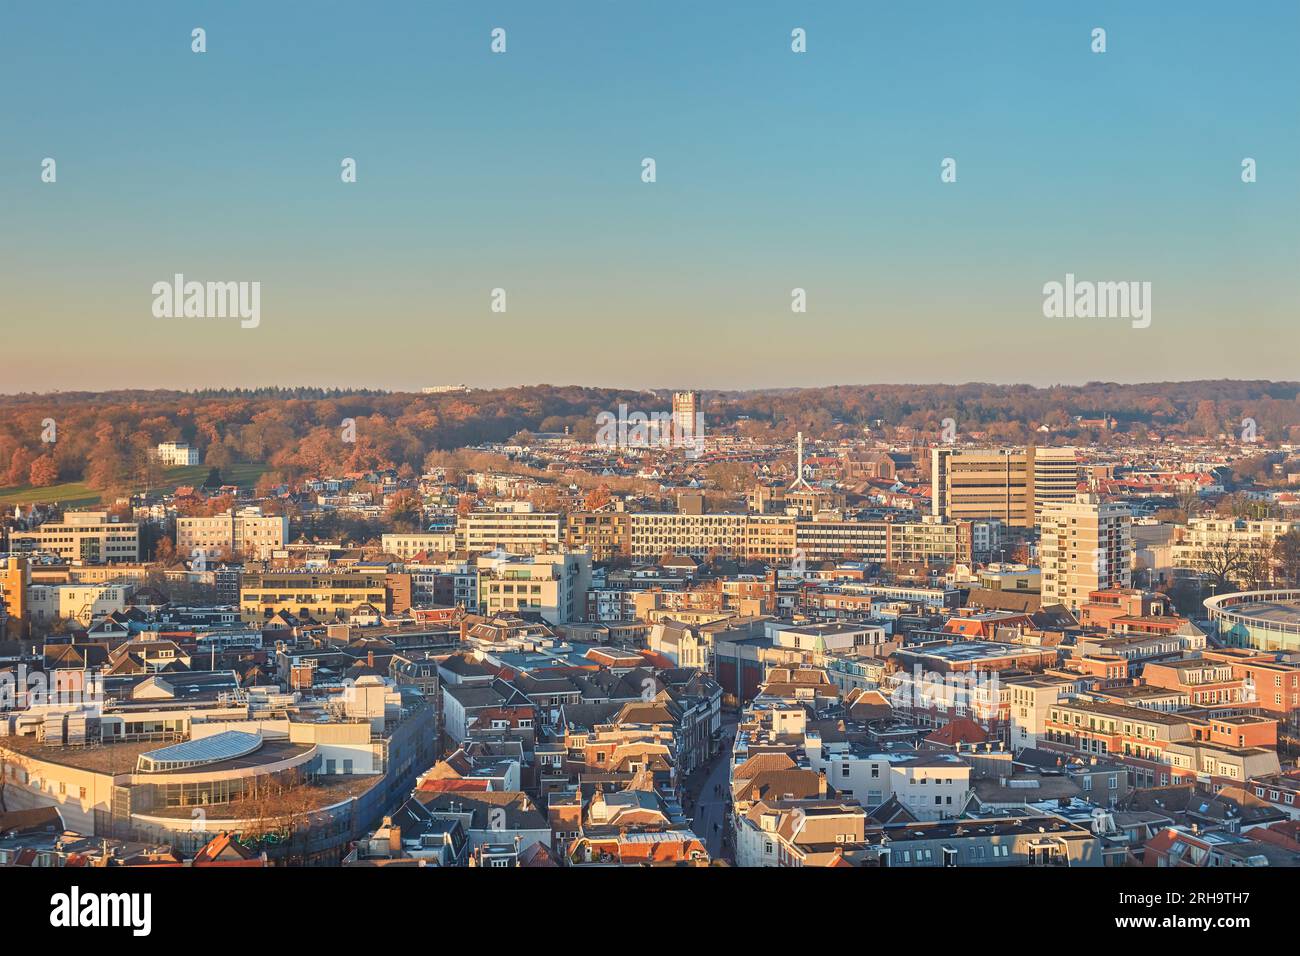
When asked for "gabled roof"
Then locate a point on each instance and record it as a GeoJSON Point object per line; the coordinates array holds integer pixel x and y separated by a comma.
{"type": "Point", "coordinates": [783, 785]}
{"type": "Point", "coordinates": [223, 849]}
{"type": "Point", "coordinates": [892, 811]}
{"type": "Point", "coordinates": [959, 730]}
{"type": "Point", "coordinates": [762, 762]}
{"type": "Point", "coordinates": [26, 821]}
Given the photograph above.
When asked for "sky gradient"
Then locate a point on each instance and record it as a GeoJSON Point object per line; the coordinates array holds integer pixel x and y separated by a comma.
{"type": "Point", "coordinates": [522, 171]}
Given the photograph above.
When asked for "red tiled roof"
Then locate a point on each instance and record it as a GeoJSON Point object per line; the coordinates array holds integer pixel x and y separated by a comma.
{"type": "Point", "coordinates": [962, 730]}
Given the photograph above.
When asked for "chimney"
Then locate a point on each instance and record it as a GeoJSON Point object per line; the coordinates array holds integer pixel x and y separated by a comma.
{"type": "Point", "coordinates": [370, 658]}
{"type": "Point", "coordinates": [394, 836]}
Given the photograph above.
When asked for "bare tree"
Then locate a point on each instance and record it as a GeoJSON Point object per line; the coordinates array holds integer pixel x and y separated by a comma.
{"type": "Point", "coordinates": [275, 809]}
{"type": "Point", "coordinates": [1189, 502]}
{"type": "Point", "coordinates": [1257, 568]}
{"type": "Point", "coordinates": [1286, 550]}
{"type": "Point", "coordinates": [1224, 563]}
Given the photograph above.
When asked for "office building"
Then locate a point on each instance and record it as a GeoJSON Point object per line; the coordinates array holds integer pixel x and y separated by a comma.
{"type": "Point", "coordinates": [86, 537]}
{"type": "Point", "coordinates": [1009, 485]}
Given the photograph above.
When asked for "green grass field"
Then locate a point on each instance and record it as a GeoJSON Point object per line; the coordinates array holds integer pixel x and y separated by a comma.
{"type": "Point", "coordinates": [74, 494]}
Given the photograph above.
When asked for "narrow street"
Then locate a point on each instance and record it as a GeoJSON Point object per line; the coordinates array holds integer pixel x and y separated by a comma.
{"type": "Point", "coordinates": [706, 807]}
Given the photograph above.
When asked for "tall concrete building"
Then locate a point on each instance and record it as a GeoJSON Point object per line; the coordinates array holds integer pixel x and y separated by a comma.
{"type": "Point", "coordinates": [1010, 485]}
{"type": "Point", "coordinates": [1086, 545]}
{"type": "Point", "coordinates": [14, 580]}
{"type": "Point", "coordinates": [686, 415]}
{"type": "Point", "coordinates": [1057, 472]}
{"type": "Point", "coordinates": [982, 483]}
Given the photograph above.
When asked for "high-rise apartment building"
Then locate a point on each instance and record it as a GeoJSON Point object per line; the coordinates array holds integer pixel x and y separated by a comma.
{"type": "Point", "coordinates": [1086, 546]}
{"type": "Point", "coordinates": [14, 579]}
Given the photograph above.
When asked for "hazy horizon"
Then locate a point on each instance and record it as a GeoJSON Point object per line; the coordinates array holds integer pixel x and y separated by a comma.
{"type": "Point", "coordinates": [417, 389]}
{"type": "Point", "coordinates": [775, 171]}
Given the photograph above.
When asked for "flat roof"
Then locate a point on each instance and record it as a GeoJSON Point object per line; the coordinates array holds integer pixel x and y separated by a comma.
{"type": "Point", "coordinates": [975, 650]}
{"type": "Point", "coordinates": [1273, 611]}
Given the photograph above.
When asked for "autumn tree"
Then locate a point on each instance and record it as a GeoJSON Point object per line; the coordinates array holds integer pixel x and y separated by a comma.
{"type": "Point", "coordinates": [404, 511]}
{"type": "Point", "coordinates": [20, 466]}
{"type": "Point", "coordinates": [43, 472]}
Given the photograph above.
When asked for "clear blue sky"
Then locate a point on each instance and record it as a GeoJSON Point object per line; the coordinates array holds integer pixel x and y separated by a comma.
{"type": "Point", "coordinates": [522, 171]}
